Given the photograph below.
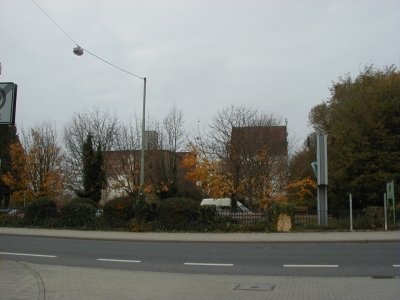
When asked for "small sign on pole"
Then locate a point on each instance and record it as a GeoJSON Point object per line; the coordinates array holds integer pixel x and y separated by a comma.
{"type": "Point", "coordinates": [8, 99]}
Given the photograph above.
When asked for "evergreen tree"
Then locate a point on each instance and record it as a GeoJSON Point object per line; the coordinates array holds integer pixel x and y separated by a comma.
{"type": "Point", "coordinates": [93, 171]}
{"type": "Point", "coordinates": [99, 174]}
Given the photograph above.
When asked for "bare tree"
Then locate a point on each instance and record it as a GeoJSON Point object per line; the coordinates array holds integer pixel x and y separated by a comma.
{"type": "Point", "coordinates": [101, 125]}
{"type": "Point", "coordinates": [162, 143]}
{"type": "Point", "coordinates": [175, 142]}
{"type": "Point", "coordinates": [123, 162]}
{"type": "Point", "coordinates": [252, 148]}
{"type": "Point", "coordinates": [174, 130]}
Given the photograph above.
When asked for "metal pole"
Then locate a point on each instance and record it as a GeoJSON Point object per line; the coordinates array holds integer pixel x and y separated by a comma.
{"type": "Point", "coordinates": [143, 132]}
{"type": "Point", "coordinates": [322, 179]}
{"type": "Point", "coordinates": [351, 212]}
{"type": "Point", "coordinates": [394, 214]}
{"type": "Point", "coordinates": [384, 208]}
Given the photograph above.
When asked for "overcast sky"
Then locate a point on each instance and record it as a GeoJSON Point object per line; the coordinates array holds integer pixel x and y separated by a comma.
{"type": "Point", "coordinates": [276, 56]}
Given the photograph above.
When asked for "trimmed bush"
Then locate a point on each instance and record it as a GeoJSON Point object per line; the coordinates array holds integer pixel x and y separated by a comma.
{"type": "Point", "coordinates": [144, 212]}
{"type": "Point", "coordinates": [138, 225]}
{"type": "Point", "coordinates": [118, 212]}
{"type": "Point", "coordinates": [207, 215]}
{"type": "Point", "coordinates": [39, 210]}
{"type": "Point", "coordinates": [177, 214]}
{"type": "Point", "coordinates": [373, 218]}
{"type": "Point", "coordinates": [85, 200]}
{"type": "Point", "coordinates": [79, 214]}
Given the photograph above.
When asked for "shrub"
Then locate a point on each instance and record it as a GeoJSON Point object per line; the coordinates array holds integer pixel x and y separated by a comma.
{"type": "Point", "coordinates": [178, 214]}
{"type": "Point", "coordinates": [85, 200]}
{"type": "Point", "coordinates": [373, 218]}
{"type": "Point", "coordinates": [7, 221]}
{"type": "Point", "coordinates": [138, 225]}
{"type": "Point", "coordinates": [39, 210]}
{"type": "Point", "coordinates": [207, 215]}
{"type": "Point", "coordinates": [118, 211]}
{"type": "Point", "coordinates": [78, 213]}
{"type": "Point", "coordinates": [144, 212]}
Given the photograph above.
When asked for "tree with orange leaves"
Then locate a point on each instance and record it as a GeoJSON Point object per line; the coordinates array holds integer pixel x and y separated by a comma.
{"type": "Point", "coordinates": [207, 174]}
{"type": "Point", "coordinates": [36, 165]}
{"type": "Point", "coordinates": [18, 178]}
{"type": "Point", "coordinates": [302, 190]}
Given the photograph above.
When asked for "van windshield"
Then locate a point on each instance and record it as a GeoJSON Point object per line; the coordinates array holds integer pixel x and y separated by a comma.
{"type": "Point", "coordinates": [243, 208]}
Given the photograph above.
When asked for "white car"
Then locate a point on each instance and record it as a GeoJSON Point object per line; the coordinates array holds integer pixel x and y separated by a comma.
{"type": "Point", "coordinates": [224, 209]}
{"type": "Point", "coordinates": [223, 204]}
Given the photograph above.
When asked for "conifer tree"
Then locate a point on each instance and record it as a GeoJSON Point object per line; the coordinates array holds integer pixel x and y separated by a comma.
{"type": "Point", "coordinates": [93, 170]}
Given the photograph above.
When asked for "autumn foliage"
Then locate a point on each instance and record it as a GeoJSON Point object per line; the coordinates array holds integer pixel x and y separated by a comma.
{"type": "Point", "coordinates": [207, 174]}
{"type": "Point", "coordinates": [35, 170]}
{"type": "Point", "coordinates": [18, 177]}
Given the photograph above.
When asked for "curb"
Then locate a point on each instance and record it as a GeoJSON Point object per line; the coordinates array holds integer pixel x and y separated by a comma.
{"type": "Point", "coordinates": [308, 237]}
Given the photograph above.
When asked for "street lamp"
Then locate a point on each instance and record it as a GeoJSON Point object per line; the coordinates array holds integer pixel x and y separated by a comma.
{"type": "Point", "coordinates": [78, 50]}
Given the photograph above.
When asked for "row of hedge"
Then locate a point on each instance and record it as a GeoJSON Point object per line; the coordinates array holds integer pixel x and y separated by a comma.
{"type": "Point", "coordinates": [175, 214]}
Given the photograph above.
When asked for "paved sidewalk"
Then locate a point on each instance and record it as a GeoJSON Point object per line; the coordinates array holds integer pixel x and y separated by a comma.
{"type": "Point", "coordinates": [356, 236]}
{"type": "Point", "coordinates": [17, 281]}
{"type": "Point", "coordinates": [23, 281]}
{"type": "Point", "coordinates": [26, 281]}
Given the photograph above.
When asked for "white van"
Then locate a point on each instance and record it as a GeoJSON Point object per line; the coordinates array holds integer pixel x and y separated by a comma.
{"type": "Point", "coordinates": [223, 204]}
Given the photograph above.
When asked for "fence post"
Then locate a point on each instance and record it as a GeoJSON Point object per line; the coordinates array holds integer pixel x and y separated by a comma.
{"type": "Point", "coordinates": [385, 211]}
{"type": "Point", "coordinates": [351, 211]}
{"type": "Point", "coordinates": [394, 215]}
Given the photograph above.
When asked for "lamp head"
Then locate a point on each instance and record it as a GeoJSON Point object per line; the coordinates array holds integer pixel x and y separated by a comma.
{"type": "Point", "coordinates": [78, 50]}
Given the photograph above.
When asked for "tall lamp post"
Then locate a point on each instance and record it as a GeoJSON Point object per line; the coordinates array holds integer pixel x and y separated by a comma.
{"type": "Point", "coordinates": [79, 51]}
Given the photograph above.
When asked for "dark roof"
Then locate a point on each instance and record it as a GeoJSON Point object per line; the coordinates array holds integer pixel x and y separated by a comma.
{"type": "Point", "coordinates": [249, 140]}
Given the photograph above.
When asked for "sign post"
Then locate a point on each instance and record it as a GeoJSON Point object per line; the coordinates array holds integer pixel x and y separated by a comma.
{"type": "Point", "coordinates": [320, 168]}
{"type": "Point", "coordinates": [8, 99]}
{"type": "Point", "coordinates": [390, 195]}
{"type": "Point", "coordinates": [351, 211]}
{"type": "Point", "coordinates": [322, 179]}
{"type": "Point", "coordinates": [385, 209]}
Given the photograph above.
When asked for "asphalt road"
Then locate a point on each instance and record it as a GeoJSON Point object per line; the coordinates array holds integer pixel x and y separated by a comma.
{"type": "Point", "coordinates": [380, 260]}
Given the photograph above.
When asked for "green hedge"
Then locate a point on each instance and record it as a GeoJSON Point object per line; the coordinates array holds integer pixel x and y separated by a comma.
{"type": "Point", "coordinates": [177, 214]}
{"type": "Point", "coordinates": [118, 212]}
{"type": "Point", "coordinates": [78, 213]}
{"type": "Point", "coordinates": [85, 200]}
{"type": "Point", "coordinates": [144, 212]}
{"type": "Point", "coordinates": [39, 211]}
{"type": "Point", "coordinates": [373, 218]}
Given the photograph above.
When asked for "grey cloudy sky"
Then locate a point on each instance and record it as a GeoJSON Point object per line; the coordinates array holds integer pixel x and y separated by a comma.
{"type": "Point", "coordinates": [276, 56]}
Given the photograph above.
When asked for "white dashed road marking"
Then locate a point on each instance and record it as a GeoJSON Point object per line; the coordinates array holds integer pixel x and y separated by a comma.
{"type": "Point", "coordinates": [27, 254]}
{"type": "Point", "coordinates": [208, 264]}
{"type": "Point", "coordinates": [119, 260]}
{"type": "Point", "coordinates": [311, 266]}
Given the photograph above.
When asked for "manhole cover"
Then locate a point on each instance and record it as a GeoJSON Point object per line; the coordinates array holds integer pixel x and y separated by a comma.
{"type": "Point", "coordinates": [255, 287]}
